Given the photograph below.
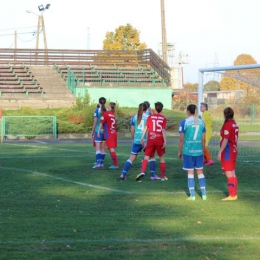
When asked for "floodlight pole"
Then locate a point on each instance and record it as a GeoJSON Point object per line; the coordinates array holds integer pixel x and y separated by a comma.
{"type": "Point", "coordinates": [164, 41]}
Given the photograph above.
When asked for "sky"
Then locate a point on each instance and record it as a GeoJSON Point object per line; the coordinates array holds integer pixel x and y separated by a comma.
{"type": "Point", "coordinates": [211, 32]}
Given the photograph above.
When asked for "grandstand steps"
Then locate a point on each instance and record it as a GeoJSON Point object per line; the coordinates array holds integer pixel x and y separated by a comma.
{"type": "Point", "coordinates": [55, 92]}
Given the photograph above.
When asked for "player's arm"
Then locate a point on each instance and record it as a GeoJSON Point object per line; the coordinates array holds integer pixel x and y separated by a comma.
{"type": "Point", "coordinates": [132, 131]}
{"type": "Point", "coordinates": [181, 141]}
{"type": "Point", "coordinates": [143, 134]}
{"type": "Point", "coordinates": [164, 138]}
{"type": "Point", "coordinates": [99, 128]}
{"type": "Point", "coordinates": [94, 126]}
{"type": "Point", "coordinates": [222, 148]}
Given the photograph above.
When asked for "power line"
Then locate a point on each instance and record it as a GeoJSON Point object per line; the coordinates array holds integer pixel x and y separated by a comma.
{"type": "Point", "coordinates": [18, 28]}
{"type": "Point", "coordinates": [17, 33]}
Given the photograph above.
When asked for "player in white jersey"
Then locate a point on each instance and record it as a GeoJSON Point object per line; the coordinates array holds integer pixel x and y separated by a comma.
{"type": "Point", "coordinates": [191, 145]}
{"type": "Point", "coordinates": [137, 125]}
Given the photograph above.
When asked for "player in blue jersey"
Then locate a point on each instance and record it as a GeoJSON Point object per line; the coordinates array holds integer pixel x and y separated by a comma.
{"type": "Point", "coordinates": [192, 142]}
{"type": "Point", "coordinates": [99, 141]}
{"type": "Point", "coordinates": [137, 125]}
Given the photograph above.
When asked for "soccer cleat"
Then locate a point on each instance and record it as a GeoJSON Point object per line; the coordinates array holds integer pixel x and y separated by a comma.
{"type": "Point", "coordinates": [192, 198]}
{"type": "Point", "coordinates": [96, 166]}
{"type": "Point", "coordinates": [204, 197]}
{"type": "Point", "coordinates": [230, 198]}
{"type": "Point", "coordinates": [101, 165]}
{"type": "Point", "coordinates": [164, 179]}
{"type": "Point", "coordinates": [139, 176]}
{"type": "Point", "coordinates": [154, 178]}
{"type": "Point", "coordinates": [210, 162]}
{"type": "Point", "coordinates": [122, 177]}
{"type": "Point", "coordinates": [113, 167]}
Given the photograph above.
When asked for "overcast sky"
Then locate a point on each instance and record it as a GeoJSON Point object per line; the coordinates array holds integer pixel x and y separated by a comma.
{"type": "Point", "coordinates": [209, 31]}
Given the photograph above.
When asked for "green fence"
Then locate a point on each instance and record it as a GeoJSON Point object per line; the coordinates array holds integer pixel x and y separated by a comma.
{"type": "Point", "coordinates": [28, 126]}
{"type": "Point", "coordinates": [112, 77]}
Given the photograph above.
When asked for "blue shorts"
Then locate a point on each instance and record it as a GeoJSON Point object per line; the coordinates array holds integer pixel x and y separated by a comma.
{"type": "Point", "coordinates": [136, 148]}
{"type": "Point", "coordinates": [99, 140]}
{"type": "Point", "coordinates": [191, 162]}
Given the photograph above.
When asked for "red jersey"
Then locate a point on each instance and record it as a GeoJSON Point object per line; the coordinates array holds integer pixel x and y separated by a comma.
{"type": "Point", "coordinates": [109, 124]}
{"type": "Point", "coordinates": [156, 123]}
{"type": "Point", "coordinates": [229, 131]}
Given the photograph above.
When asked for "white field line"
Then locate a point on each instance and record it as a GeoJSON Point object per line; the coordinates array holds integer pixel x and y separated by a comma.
{"type": "Point", "coordinates": [147, 241]}
{"type": "Point", "coordinates": [87, 152]}
{"type": "Point", "coordinates": [115, 190]}
{"type": "Point", "coordinates": [65, 180]}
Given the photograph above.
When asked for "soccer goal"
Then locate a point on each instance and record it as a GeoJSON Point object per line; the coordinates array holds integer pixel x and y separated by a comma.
{"type": "Point", "coordinates": [247, 114]}
{"type": "Point", "coordinates": [28, 126]}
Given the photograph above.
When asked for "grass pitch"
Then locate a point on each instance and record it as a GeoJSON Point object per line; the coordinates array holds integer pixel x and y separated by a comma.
{"type": "Point", "coordinates": [55, 206]}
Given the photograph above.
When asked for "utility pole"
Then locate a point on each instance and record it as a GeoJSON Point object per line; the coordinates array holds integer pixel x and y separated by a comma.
{"type": "Point", "coordinates": [164, 41]}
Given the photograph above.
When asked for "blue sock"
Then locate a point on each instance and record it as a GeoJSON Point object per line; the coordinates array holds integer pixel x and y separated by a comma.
{"type": "Point", "coordinates": [202, 183]}
{"type": "Point", "coordinates": [152, 164]}
{"type": "Point", "coordinates": [127, 166]}
{"type": "Point", "coordinates": [98, 157]}
{"type": "Point", "coordinates": [191, 184]}
{"type": "Point", "coordinates": [102, 158]}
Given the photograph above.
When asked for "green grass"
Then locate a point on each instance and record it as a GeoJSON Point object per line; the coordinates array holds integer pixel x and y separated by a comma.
{"type": "Point", "coordinates": [55, 206]}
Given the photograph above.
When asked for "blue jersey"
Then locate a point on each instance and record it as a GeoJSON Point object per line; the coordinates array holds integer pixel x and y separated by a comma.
{"type": "Point", "coordinates": [97, 114]}
{"type": "Point", "coordinates": [138, 128]}
{"type": "Point", "coordinates": [192, 136]}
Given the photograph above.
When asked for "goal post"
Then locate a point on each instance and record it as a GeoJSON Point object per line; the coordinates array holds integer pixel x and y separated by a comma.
{"type": "Point", "coordinates": [222, 71]}
{"type": "Point", "coordinates": [28, 126]}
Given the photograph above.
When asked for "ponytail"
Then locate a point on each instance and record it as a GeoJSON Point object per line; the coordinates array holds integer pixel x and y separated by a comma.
{"type": "Point", "coordinates": [142, 108]}
{"type": "Point", "coordinates": [194, 112]}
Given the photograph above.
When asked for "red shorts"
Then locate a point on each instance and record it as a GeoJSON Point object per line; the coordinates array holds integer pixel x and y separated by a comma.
{"type": "Point", "coordinates": [151, 149]}
{"type": "Point", "coordinates": [111, 143]}
{"type": "Point", "coordinates": [229, 165]}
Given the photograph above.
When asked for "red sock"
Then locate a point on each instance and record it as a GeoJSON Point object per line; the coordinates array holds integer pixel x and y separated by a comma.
{"type": "Point", "coordinates": [236, 184]}
{"type": "Point", "coordinates": [144, 165]}
{"type": "Point", "coordinates": [162, 168]}
{"type": "Point", "coordinates": [232, 186]}
{"type": "Point", "coordinates": [114, 158]}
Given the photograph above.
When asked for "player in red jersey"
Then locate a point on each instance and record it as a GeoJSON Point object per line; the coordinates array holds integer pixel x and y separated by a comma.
{"type": "Point", "coordinates": [227, 154]}
{"type": "Point", "coordinates": [156, 140]}
{"type": "Point", "coordinates": [108, 122]}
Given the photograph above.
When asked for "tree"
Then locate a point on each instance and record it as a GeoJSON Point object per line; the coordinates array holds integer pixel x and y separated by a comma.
{"type": "Point", "coordinates": [212, 85]}
{"type": "Point", "coordinates": [190, 87]}
{"type": "Point", "coordinates": [229, 83]}
{"type": "Point", "coordinates": [124, 38]}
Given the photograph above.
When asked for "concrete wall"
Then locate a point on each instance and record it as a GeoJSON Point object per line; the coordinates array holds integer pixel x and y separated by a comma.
{"type": "Point", "coordinates": [129, 97]}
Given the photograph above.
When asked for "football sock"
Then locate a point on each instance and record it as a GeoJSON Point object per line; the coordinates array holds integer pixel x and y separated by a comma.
{"type": "Point", "coordinates": [98, 157]}
{"type": "Point", "coordinates": [144, 165]}
{"type": "Point", "coordinates": [236, 184]}
{"type": "Point", "coordinates": [191, 184]}
{"type": "Point", "coordinates": [126, 168]}
{"type": "Point", "coordinates": [114, 158]}
{"type": "Point", "coordinates": [152, 165]}
{"type": "Point", "coordinates": [162, 169]}
{"type": "Point", "coordinates": [202, 183]}
{"type": "Point", "coordinates": [231, 182]}
{"type": "Point", "coordinates": [102, 159]}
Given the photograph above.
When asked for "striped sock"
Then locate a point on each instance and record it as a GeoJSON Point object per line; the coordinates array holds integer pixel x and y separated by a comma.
{"type": "Point", "coordinates": [202, 183]}
{"type": "Point", "coordinates": [127, 166]}
{"type": "Point", "coordinates": [191, 184]}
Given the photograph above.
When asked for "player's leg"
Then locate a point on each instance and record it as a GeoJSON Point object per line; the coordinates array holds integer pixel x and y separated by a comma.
{"type": "Point", "coordinates": [207, 157]}
{"type": "Point", "coordinates": [152, 166]}
{"type": "Point", "coordinates": [98, 151]}
{"type": "Point", "coordinates": [144, 163]}
{"type": "Point", "coordinates": [189, 165]}
{"type": "Point", "coordinates": [136, 148]}
{"type": "Point", "coordinates": [201, 176]}
{"type": "Point", "coordinates": [103, 153]}
{"type": "Point", "coordinates": [161, 153]}
{"type": "Point", "coordinates": [229, 169]}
